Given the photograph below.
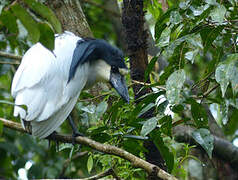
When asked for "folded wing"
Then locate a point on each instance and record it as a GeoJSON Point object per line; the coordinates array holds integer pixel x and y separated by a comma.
{"type": "Point", "coordinates": [40, 83]}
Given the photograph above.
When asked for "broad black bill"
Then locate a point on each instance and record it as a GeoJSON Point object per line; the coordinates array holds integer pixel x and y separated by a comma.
{"type": "Point", "coordinates": [118, 82]}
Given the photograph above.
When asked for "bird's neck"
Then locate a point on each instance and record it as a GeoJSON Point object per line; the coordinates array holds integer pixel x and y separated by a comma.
{"type": "Point", "coordinates": [99, 71]}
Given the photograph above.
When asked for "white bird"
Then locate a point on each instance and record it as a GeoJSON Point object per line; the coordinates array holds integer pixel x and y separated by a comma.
{"type": "Point", "coordinates": [49, 83]}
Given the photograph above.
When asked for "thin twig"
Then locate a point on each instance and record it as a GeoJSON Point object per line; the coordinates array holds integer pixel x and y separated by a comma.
{"type": "Point", "coordinates": [206, 93]}
{"type": "Point", "coordinates": [10, 56]}
{"type": "Point", "coordinates": [100, 175]}
{"type": "Point", "coordinates": [205, 78]}
{"type": "Point", "coordinates": [105, 148]}
{"type": "Point", "coordinates": [147, 84]}
{"type": "Point", "coordinates": [10, 63]}
{"type": "Point", "coordinates": [96, 97]}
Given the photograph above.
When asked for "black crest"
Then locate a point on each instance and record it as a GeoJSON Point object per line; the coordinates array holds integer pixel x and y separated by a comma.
{"type": "Point", "coordinates": [93, 49]}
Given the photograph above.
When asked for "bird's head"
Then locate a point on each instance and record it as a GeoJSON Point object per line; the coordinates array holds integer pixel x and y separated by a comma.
{"type": "Point", "coordinates": [106, 63]}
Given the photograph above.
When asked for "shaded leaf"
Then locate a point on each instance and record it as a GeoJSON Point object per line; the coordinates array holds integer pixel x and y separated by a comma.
{"type": "Point", "coordinates": [199, 114]}
{"type": "Point", "coordinates": [145, 109]}
{"type": "Point", "coordinates": [47, 37]}
{"type": "Point", "coordinates": [46, 13]}
{"type": "Point", "coordinates": [9, 20]}
{"type": "Point", "coordinates": [161, 25]}
{"type": "Point", "coordinates": [164, 150]}
{"type": "Point", "coordinates": [166, 125]}
{"type": "Point", "coordinates": [209, 34]}
{"type": "Point", "coordinates": [205, 139]}
{"type": "Point", "coordinates": [27, 21]}
{"type": "Point", "coordinates": [150, 67]}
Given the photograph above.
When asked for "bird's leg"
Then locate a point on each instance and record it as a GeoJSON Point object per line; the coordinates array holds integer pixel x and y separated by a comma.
{"type": "Point", "coordinates": [74, 128]}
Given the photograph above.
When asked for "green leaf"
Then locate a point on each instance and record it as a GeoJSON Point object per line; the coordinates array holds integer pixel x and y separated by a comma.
{"type": "Point", "coordinates": [46, 13]}
{"type": "Point", "coordinates": [27, 21]}
{"type": "Point", "coordinates": [47, 37]}
{"type": "Point", "coordinates": [150, 67]}
{"type": "Point", "coordinates": [221, 77]}
{"type": "Point", "coordinates": [164, 38]}
{"type": "Point", "coordinates": [178, 108]}
{"type": "Point", "coordinates": [163, 149]}
{"type": "Point", "coordinates": [13, 104]}
{"type": "Point", "coordinates": [209, 34]}
{"type": "Point", "coordinates": [226, 72]}
{"type": "Point", "coordinates": [199, 114]}
{"type": "Point", "coordinates": [101, 108]}
{"type": "Point", "coordinates": [184, 5]}
{"type": "Point", "coordinates": [190, 55]}
{"type": "Point", "coordinates": [205, 139]}
{"type": "Point", "coordinates": [160, 24]}
{"type": "Point", "coordinates": [90, 163]}
{"type": "Point", "coordinates": [64, 146]}
{"type": "Point", "coordinates": [149, 126]}
{"type": "Point", "coordinates": [218, 14]}
{"type": "Point", "coordinates": [174, 85]}
{"type": "Point", "coordinates": [145, 109]}
{"type": "Point", "coordinates": [168, 52]}
{"type": "Point", "coordinates": [166, 125]}
{"type": "Point", "coordinates": [175, 17]}
{"type": "Point", "coordinates": [9, 20]}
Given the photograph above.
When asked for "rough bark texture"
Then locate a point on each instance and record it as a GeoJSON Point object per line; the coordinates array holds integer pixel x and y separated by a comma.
{"type": "Point", "coordinates": [133, 22]}
{"type": "Point", "coordinates": [71, 16]}
{"type": "Point", "coordinates": [136, 38]}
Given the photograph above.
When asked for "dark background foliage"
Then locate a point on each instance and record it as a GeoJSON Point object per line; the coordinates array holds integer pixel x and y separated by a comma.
{"type": "Point", "coordinates": [194, 96]}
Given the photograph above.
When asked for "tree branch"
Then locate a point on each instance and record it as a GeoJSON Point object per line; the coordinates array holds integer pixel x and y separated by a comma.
{"type": "Point", "coordinates": [101, 175]}
{"type": "Point", "coordinates": [10, 63]}
{"type": "Point", "coordinates": [105, 148]}
{"type": "Point", "coordinates": [10, 56]}
{"type": "Point", "coordinates": [222, 147]}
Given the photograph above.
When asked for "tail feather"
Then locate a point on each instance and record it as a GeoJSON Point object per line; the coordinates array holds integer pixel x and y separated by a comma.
{"type": "Point", "coordinates": [42, 129]}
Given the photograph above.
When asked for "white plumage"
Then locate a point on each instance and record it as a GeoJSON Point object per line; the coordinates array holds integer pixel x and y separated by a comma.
{"type": "Point", "coordinates": [40, 83]}
{"type": "Point", "coordinates": [49, 83]}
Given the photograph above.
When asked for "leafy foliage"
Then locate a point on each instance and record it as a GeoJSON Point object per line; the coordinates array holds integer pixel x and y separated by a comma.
{"type": "Point", "coordinates": [197, 39]}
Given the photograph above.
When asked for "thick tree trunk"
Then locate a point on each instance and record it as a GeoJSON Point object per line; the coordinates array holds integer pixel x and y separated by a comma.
{"type": "Point", "coordinates": [71, 16]}
{"type": "Point", "coordinates": [136, 38]}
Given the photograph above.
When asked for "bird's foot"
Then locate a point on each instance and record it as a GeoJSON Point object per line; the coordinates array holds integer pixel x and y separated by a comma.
{"type": "Point", "coordinates": [52, 138]}
{"type": "Point", "coordinates": [74, 135]}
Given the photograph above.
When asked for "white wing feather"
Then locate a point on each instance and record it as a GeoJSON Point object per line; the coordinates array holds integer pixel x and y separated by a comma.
{"type": "Point", "coordinates": [40, 83]}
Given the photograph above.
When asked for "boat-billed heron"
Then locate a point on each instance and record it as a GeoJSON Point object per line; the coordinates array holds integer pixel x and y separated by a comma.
{"type": "Point", "coordinates": [49, 82]}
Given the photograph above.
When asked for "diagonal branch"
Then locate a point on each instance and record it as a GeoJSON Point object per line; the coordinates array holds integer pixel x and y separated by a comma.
{"type": "Point", "coordinates": [10, 56]}
{"type": "Point", "coordinates": [105, 148]}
